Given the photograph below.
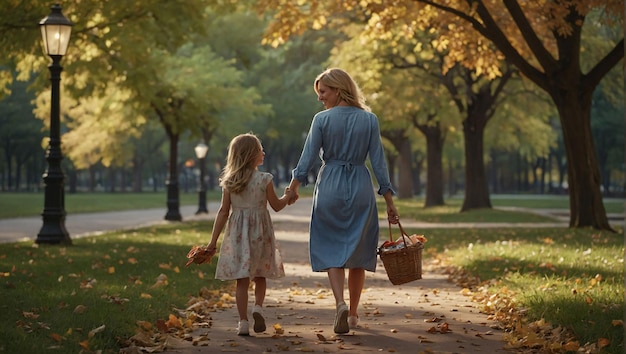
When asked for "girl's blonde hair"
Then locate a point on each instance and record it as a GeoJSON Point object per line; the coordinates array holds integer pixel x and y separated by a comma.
{"type": "Point", "coordinates": [243, 152]}
{"type": "Point", "coordinates": [348, 89]}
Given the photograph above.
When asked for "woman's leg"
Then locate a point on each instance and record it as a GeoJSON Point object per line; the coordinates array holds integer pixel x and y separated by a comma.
{"type": "Point", "coordinates": [336, 277]}
{"type": "Point", "coordinates": [356, 280]}
{"type": "Point", "coordinates": [241, 296]}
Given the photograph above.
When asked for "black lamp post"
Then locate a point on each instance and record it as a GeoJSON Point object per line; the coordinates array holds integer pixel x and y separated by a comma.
{"type": "Point", "coordinates": [55, 30]}
{"type": "Point", "coordinates": [201, 151]}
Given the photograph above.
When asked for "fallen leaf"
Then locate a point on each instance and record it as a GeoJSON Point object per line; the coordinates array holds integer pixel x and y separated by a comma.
{"type": "Point", "coordinates": [95, 331]}
{"type": "Point", "coordinates": [571, 346]}
{"type": "Point", "coordinates": [84, 344]}
{"type": "Point", "coordinates": [444, 328]}
{"type": "Point", "coordinates": [30, 315]}
{"type": "Point", "coordinates": [603, 342]}
{"type": "Point", "coordinates": [57, 337]}
{"type": "Point", "coordinates": [161, 281]}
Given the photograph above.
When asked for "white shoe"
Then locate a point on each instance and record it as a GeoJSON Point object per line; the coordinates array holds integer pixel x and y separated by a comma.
{"type": "Point", "coordinates": [243, 328]}
{"type": "Point", "coordinates": [259, 321]}
{"type": "Point", "coordinates": [341, 319]}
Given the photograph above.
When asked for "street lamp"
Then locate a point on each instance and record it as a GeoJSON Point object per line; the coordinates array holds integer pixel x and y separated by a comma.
{"type": "Point", "coordinates": [55, 30]}
{"type": "Point", "coordinates": [201, 150]}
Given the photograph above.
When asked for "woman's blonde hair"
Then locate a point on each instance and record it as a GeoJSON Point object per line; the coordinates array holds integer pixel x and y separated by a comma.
{"type": "Point", "coordinates": [348, 89]}
{"type": "Point", "coordinates": [243, 152]}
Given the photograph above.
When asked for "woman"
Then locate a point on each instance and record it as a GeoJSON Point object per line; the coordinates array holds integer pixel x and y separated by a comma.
{"type": "Point", "coordinates": [344, 219]}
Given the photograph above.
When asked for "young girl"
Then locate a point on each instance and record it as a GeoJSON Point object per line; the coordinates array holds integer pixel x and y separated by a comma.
{"type": "Point", "coordinates": [249, 249]}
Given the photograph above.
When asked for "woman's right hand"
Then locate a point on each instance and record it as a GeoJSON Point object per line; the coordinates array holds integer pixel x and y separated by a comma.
{"type": "Point", "coordinates": [392, 214]}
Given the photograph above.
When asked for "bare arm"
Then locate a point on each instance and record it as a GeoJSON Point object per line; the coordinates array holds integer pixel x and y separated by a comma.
{"type": "Point", "coordinates": [277, 203]}
{"type": "Point", "coordinates": [392, 213]}
{"type": "Point", "coordinates": [220, 221]}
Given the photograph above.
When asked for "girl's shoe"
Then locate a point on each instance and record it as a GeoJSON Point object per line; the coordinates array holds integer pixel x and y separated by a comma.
{"type": "Point", "coordinates": [259, 321]}
{"type": "Point", "coordinates": [341, 319]}
{"type": "Point", "coordinates": [243, 328]}
{"type": "Point", "coordinates": [353, 321]}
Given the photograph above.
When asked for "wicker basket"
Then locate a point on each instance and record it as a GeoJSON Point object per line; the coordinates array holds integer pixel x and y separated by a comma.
{"type": "Point", "coordinates": [405, 264]}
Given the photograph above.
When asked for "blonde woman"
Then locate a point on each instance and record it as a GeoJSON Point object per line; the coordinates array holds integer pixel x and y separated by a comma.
{"type": "Point", "coordinates": [249, 249]}
{"type": "Point", "coordinates": [344, 218]}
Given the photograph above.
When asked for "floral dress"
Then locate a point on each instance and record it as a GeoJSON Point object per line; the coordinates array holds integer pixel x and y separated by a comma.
{"type": "Point", "coordinates": [249, 248]}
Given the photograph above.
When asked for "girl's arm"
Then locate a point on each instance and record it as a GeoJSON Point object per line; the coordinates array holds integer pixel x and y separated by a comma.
{"type": "Point", "coordinates": [220, 221]}
{"type": "Point", "coordinates": [277, 203]}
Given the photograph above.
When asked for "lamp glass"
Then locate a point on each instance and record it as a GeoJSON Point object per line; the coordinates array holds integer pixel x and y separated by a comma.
{"type": "Point", "coordinates": [56, 38]}
{"type": "Point", "coordinates": [201, 150]}
{"type": "Point", "coordinates": [55, 31]}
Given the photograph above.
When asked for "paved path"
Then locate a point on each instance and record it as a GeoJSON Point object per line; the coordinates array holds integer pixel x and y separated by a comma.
{"type": "Point", "coordinates": [410, 318]}
{"type": "Point", "coordinates": [79, 225]}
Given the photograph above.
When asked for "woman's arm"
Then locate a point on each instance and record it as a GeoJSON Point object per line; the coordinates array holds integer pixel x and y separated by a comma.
{"type": "Point", "coordinates": [392, 213]}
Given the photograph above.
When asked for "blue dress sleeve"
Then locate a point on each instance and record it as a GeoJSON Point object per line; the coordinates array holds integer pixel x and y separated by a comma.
{"type": "Point", "coordinates": [310, 153]}
{"type": "Point", "coordinates": [377, 158]}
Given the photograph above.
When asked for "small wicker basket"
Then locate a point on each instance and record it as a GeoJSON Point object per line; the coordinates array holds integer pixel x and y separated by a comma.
{"type": "Point", "coordinates": [405, 264]}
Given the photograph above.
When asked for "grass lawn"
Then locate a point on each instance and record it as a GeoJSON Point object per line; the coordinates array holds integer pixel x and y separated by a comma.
{"type": "Point", "coordinates": [95, 294]}
{"type": "Point", "coordinates": [534, 278]}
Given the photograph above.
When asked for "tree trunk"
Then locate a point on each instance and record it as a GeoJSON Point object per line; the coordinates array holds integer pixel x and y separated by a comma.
{"type": "Point", "coordinates": [72, 180]}
{"type": "Point", "coordinates": [401, 142]}
{"type": "Point", "coordinates": [173, 194]}
{"type": "Point", "coordinates": [123, 180]}
{"type": "Point", "coordinates": [418, 162]}
{"type": "Point", "coordinates": [476, 189]}
{"type": "Point", "coordinates": [583, 173]}
{"type": "Point", "coordinates": [112, 179]}
{"type": "Point", "coordinates": [405, 188]}
{"type": "Point", "coordinates": [92, 178]}
{"type": "Point", "coordinates": [137, 175]}
{"type": "Point", "coordinates": [434, 171]}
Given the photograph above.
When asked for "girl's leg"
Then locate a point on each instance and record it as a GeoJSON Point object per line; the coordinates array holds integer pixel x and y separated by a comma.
{"type": "Point", "coordinates": [356, 281]}
{"type": "Point", "coordinates": [260, 288]}
{"type": "Point", "coordinates": [241, 296]}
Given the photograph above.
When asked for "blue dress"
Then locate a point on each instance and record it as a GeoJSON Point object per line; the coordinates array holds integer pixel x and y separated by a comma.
{"type": "Point", "coordinates": [344, 218]}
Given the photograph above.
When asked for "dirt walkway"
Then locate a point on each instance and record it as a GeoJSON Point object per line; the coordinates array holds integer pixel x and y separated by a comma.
{"type": "Point", "coordinates": [430, 315]}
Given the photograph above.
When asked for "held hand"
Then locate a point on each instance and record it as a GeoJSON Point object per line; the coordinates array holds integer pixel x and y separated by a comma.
{"type": "Point", "coordinates": [293, 198]}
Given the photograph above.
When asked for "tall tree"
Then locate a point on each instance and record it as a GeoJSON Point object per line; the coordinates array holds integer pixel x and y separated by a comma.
{"type": "Point", "coordinates": [543, 39]}
{"type": "Point", "coordinates": [191, 92]}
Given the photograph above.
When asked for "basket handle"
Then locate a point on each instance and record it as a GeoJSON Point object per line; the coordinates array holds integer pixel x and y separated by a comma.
{"type": "Point", "coordinates": [401, 230]}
